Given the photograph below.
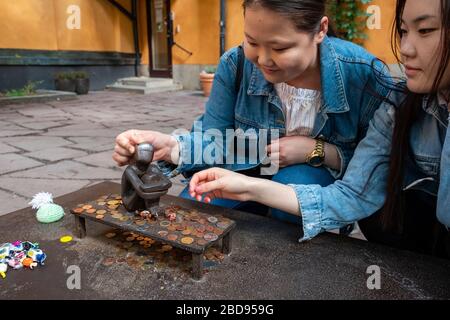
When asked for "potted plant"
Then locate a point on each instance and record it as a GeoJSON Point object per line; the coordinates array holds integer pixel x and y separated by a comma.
{"type": "Point", "coordinates": [207, 79]}
{"type": "Point", "coordinates": [81, 82]}
{"type": "Point", "coordinates": [65, 81]}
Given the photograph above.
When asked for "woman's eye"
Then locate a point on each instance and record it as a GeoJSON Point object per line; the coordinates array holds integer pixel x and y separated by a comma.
{"type": "Point", "coordinates": [280, 49]}
{"type": "Point", "coordinates": [426, 31]}
{"type": "Point", "coordinates": [403, 32]}
{"type": "Point", "coordinates": [252, 44]}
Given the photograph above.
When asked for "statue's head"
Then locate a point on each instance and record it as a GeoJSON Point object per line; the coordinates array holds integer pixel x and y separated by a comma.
{"type": "Point", "coordinates": [143, 156]}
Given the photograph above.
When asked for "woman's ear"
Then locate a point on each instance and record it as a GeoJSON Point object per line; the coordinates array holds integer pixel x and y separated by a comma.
{"type": "Point", "coordinates": [324, 22]}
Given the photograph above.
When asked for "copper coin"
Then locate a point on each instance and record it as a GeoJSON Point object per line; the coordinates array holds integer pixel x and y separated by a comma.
{"type": "Point", "coordinates": [172, 237]}
{"type": "Point", "coordinates": [200, 234]}
{"type": "Point", "coordinates": [171, 228]}
{"type": "Point", "coordinates": [210, 237]}
{"type": "Point", "coordinates": [217, 231]}
{"type": "Point", "coordinates": [99, 216]}
{"type": "Point", "coordinates": [187, 240]}
{"type": "Point", "coordinates": [101, 211]}
{"type": "Point", "coordinates": [78, 210]}
{"type": "Point", "coordinates": [87, 207]}
{"type": "Point", "coordinates": [111, 207]}
{"type": "Point", "coordinates": [186, 232]}
{"type": "Point", "coordinates": [108, 262]}
{"type": "Point", "coordinates": [209, 228]}
{"type": "Point", "coordinates": [202, 221]}
{"type": "Point", "coordinates": [110, 235]}
{"type": "Point", "coordinates": [202, 242]}
{"type": "Point", "coordinates": [91, 211]}
{"type": "Point", "coordinates": [163, 233]}
{"type": "Point", "coordinates": [201, 229]}
{"type": "Point", "coordinates": [130, 238]}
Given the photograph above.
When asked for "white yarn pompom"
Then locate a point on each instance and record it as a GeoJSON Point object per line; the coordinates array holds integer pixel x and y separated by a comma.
{"type": "Point", "coordinates": [40, 199]}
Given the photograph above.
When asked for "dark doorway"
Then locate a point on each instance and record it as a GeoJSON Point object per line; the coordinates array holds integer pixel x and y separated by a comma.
{"type": "Point", "coordinates": [160, 38]}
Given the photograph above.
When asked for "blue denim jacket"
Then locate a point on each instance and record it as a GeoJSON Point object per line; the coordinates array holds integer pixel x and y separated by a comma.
{"type": "Point", "coordinates": [347, 73]}
{"type": "Point", "coordinates": [362, 191]}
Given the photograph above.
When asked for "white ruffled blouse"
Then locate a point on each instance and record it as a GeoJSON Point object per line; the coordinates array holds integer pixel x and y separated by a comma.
{"type": "Point", "coordinates": [300, 107]}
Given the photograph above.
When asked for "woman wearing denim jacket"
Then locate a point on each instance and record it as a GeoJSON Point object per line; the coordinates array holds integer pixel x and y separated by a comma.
{"type": "Point", "coordinates": [299, 88]}
{"type": "Point", "coordinates": [402, 166]}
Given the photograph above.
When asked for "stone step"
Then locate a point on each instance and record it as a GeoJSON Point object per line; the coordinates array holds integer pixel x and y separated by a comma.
{"type": "Point", "coordinates": [146, 82]}
{"type": "Point", "coordinates": [143, 90]}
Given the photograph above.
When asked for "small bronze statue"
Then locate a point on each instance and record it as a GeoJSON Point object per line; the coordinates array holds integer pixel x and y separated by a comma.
{"type": "Point", "coordinates": [143, 183]}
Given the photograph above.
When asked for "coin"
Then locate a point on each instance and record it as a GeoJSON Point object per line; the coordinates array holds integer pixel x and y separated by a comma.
{"type": "Point", "coordinates": [172, 237]}
{"type": "Point", "coordinates": [87, 207]}
{"type": "Point", "coordinates": [217, 231]}
{"type": "Point", "coordinates": [209, 228]}
{"type": "Point", "coordinates": [110, 235]}
{"type": "Point", "coordinates": [164, 224]}
{"type": "Point", "coordinates": [201, 229]}
{"type": "Point", "coordinates": [143, 242]}
{"type": "Point", "coordinates": [130, 238]}
{"type": "Point", "coordinates": [99, 216]}
{"type": "Point", "coordinates": [91, 211]}
{"type": "Point", "coordinates": [101, 203]}
{"type": "Point", "coordinates": [124, 219]}
{"type": "Point", "coordinates": [108, 262]}
{"type": "Point", "coordinates": [187, 240]}
{"type": "Point", "coordinates": [78, 210]}
{"type": "Point", "coordinates": [112, 207]}
{"type": "Point", "coordinates": [212, 219]}
{"type": "Point", "coordinates": [101, 211]}
{"type": "Point", "coordinates": [163, 233]}
{"type": "Point", "coordinates": [202, 242]}
{"type": "Point", "coordinates": [186, 232]}
{"type": "Point", "coordinates": [210, 237]}
{"type": "Point", "coordinates": [166, 247]}
{"type": "Point", "coordinates": [139, 222]}
{"type": "Point", "coordinates": [171, 228]}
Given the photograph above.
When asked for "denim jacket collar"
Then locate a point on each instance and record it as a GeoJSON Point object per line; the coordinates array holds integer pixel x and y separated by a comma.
{"type": "Point", "coordinates": [432, 104]}
{"type": "Point", "coordinates": [334, 100]}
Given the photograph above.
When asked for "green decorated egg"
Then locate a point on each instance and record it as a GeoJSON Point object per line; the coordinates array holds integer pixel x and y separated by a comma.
{"type": "Point", "coordinates": [49, 213]}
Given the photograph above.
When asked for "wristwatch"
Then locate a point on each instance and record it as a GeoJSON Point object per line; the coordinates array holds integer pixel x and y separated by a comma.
{"type": "Point", "coordinates": [317, 156]}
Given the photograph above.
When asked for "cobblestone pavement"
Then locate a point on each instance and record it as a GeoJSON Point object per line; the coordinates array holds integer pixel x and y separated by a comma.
{"type": "Point", "coordinates": [60, 147]}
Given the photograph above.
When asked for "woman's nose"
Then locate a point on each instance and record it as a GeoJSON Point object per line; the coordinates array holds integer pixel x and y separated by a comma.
{"type": "Point", "coordinates": [407, 47]}
{"type": "Point", "coordinates": [264, 58]}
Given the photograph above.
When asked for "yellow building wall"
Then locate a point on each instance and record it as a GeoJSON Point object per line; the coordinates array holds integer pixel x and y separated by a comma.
{"type": "Point", "coordinates": [378, 42]}
{"type": "Point", "coordinates": [41, 24]}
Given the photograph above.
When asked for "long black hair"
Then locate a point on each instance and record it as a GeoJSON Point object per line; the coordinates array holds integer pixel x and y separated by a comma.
{"type": "Point", "coordinates": [305, 14]}
{"type": "Point", "coordinates": [405, 116]}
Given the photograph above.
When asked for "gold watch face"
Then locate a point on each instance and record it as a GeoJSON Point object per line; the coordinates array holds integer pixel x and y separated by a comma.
{"type": "Point", "coordinates": [316, 161]}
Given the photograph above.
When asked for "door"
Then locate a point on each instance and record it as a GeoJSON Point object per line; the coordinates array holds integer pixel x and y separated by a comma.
{"type": "Point", "coordinates": [160, 38]}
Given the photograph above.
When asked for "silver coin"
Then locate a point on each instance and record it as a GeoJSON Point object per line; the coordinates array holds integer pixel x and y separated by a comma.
{"type": "Point", "coordinates": [210, 237]}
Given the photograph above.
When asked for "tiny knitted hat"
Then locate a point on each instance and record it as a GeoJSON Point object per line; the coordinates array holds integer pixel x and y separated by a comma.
{"type": "Point", "coordinates": [48, 212]}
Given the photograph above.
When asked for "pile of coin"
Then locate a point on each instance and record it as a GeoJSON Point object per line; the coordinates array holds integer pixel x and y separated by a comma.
{"type": "Point", "coordinates": [144, 251]}
{"type": "Point", "coordinates": [190, 228]}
